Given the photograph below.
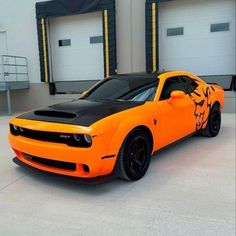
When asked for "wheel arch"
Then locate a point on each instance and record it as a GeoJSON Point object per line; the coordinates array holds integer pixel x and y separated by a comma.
{"type": "Point", "coordinates": [216, 103]}
{"type": "Point", "coordinates": [123, 132]}
{"type": "Point", "coordinates": [148, 132]}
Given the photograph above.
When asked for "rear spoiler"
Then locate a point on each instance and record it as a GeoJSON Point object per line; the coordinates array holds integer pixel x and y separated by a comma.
{"type": "Point", "coordinates": [215, 85]}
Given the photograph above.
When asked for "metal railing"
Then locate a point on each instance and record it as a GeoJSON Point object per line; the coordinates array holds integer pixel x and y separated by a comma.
{"type": "Point", "coordinates": [13, 68]}
{"type": "Point", "coordinates": [13, 75]}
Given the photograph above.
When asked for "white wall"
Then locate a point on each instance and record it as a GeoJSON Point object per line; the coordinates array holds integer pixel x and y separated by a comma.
{"type": "Point", "coordinates": [18, 19]}
{"type": "Point", "coordinates": [3, 42]}
{"type": "Point", "coordinates": [131, 52]}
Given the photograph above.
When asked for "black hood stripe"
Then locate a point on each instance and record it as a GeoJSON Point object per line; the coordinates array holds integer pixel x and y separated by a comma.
{"type": "Point", "coordinates": [81, 112]}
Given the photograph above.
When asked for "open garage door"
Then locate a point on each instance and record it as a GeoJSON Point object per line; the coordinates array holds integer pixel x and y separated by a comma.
{"type": "Point", "coordinates": [197, 36]}
{"type": "Point", "coordinates": [76, 44]}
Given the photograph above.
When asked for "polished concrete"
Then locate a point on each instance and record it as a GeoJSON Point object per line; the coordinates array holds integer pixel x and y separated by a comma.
{"type": "Point", "coordinates": [188, 190]}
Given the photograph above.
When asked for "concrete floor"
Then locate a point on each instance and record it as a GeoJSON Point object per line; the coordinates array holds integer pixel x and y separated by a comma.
{"type": "Point", "coordinates": [188, 190]}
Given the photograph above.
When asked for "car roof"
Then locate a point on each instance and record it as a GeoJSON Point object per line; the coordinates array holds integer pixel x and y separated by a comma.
{"type": "Point", "coordinates": [138, 75]}
{"type": "Point", "coordinates": [153, 76]}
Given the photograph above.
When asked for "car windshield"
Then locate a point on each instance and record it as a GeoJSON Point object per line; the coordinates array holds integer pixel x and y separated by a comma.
{"type": "Point", "coordinates": [129, 89]}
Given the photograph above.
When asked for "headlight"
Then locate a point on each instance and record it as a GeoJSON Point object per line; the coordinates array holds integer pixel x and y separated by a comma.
{"type": "Point", "coordinates": [77, 137]}
{"type": "Point", "coordinates": [16, 130]}
{"type": "Point", "coordinates": [80, 140]}
{"type": "Point", "coordinates": [15, 127]}
{"type": "Point", "coordinates": [21, 129]}
{"type": "Point", "coordinates": [88, 138]}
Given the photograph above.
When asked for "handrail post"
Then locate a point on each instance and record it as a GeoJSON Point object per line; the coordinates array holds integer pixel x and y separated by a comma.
{"type": "Point", "coordinates": [16, 69]}
{"type": "Point", "coordinates": [9, 101]}
{"type": "Point", "coordinates": [3, 70]}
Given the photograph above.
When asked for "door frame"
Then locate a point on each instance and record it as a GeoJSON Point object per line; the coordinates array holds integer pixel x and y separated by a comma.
{"type": "Point", "coordinates": [55, 8]}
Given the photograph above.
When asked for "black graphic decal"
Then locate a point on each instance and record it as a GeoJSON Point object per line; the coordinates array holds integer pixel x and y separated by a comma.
{"type": "Point", "coordinates": [202, 107]}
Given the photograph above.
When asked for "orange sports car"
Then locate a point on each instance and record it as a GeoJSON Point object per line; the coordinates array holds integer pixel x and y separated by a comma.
{"type": "Point", "coordinates": [117, 125]}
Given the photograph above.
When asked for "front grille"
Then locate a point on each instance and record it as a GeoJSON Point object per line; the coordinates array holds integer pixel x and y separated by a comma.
{"type": "Point", "coordinates": [46, 136]}
{"type": "Point", "coordinates": [42, 135]}
{"type": "Point", "coordinates": [51, 163]}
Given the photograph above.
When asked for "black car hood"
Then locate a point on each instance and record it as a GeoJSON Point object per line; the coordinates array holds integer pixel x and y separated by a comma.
{"type": "Point", "coordinates": [83, 112]}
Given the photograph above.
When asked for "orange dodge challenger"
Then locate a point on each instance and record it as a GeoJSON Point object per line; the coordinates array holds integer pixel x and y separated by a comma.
{"type": "Point", "coordinates": [117, 125]}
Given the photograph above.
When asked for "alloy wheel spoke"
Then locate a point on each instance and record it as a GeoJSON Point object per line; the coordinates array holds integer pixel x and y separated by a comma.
{"type": "Point", "coordinates": [137, 155]}
{"type": "Point", "coordinates": [139, 163]}
{"type": "Point", "coordinates": [141, 149]}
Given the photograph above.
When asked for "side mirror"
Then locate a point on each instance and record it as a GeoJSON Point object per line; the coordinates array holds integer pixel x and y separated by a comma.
{"type": "Point", "coordinates": [176, 95]}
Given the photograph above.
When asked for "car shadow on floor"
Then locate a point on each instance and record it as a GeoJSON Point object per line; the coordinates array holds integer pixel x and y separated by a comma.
{"type": "Point", "coordinates": [114, 184]}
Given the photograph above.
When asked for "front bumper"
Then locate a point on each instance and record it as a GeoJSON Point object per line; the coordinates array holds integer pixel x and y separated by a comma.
{"type": "Point", "coordinates": [36, 171]}
{"type": "Point", "coordinates": [89, 162]}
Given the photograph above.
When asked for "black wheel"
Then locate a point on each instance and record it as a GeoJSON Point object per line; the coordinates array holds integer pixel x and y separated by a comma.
{"type": "Point", "coordinates": [214, 122]}
{"type": "Point", "coordinates": [134, 156]}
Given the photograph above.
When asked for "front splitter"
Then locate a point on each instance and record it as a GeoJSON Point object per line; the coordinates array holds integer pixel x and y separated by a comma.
{"type": "Point", "coordinates": [93, 181]}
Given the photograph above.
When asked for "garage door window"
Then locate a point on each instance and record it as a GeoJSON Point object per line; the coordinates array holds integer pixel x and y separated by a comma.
{"type": "Point", "coordinates": [64, 42]}
{"type": "Point", "coordinates": [175, 31]}
{"type": "Point", "coordinates": [96, 39]}
{"type": "Point", "coordinates": [219, 27]}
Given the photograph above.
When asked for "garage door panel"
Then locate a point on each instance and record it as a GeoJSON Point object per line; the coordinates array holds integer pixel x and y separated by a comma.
{"type": "Point", "coordinates": [88, 73]}
{"type": "Point", "coordinates": [70, 22]}
{"type": "Point", "coordinates": [81, 60]}
{"type": "Point", "coordinates": [201, 67]}
{"type": "Point", "coordinates": [65, 58]}
{"type": "Point", "coordinates": [204, 7]}
{"type": "Point", "coordinates": [198, 49]}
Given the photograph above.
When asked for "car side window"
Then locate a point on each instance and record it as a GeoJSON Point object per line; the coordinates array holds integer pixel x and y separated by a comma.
{"type": "Point", "coordinates": [141, 94]}
{"type": "Point", "coordinates": [145, 95]}
{"type": "Point", "coordinates": [171, 84]}
{"type": "Point", "coordinates": [189, 84]}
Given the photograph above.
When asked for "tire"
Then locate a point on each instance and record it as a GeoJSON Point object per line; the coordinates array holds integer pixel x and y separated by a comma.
{"type": "Point", "coordinates": [214, 122]}
{"type": "Point", "coordinates": [134, 156]}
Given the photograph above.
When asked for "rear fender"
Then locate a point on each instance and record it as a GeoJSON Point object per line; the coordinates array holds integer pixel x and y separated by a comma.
{"type": "Point", "coordinates": [217, 94]}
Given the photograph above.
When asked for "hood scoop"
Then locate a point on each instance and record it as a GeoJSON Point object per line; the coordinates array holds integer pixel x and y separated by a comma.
{"type": "Point", "coordinates": [57, 114]}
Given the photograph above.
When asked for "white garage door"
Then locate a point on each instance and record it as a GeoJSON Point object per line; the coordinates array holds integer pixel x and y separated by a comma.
{"type": "Point", "coordinates": [198, 36]}
{"type": "Point", "coordinates": [77, 47]}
